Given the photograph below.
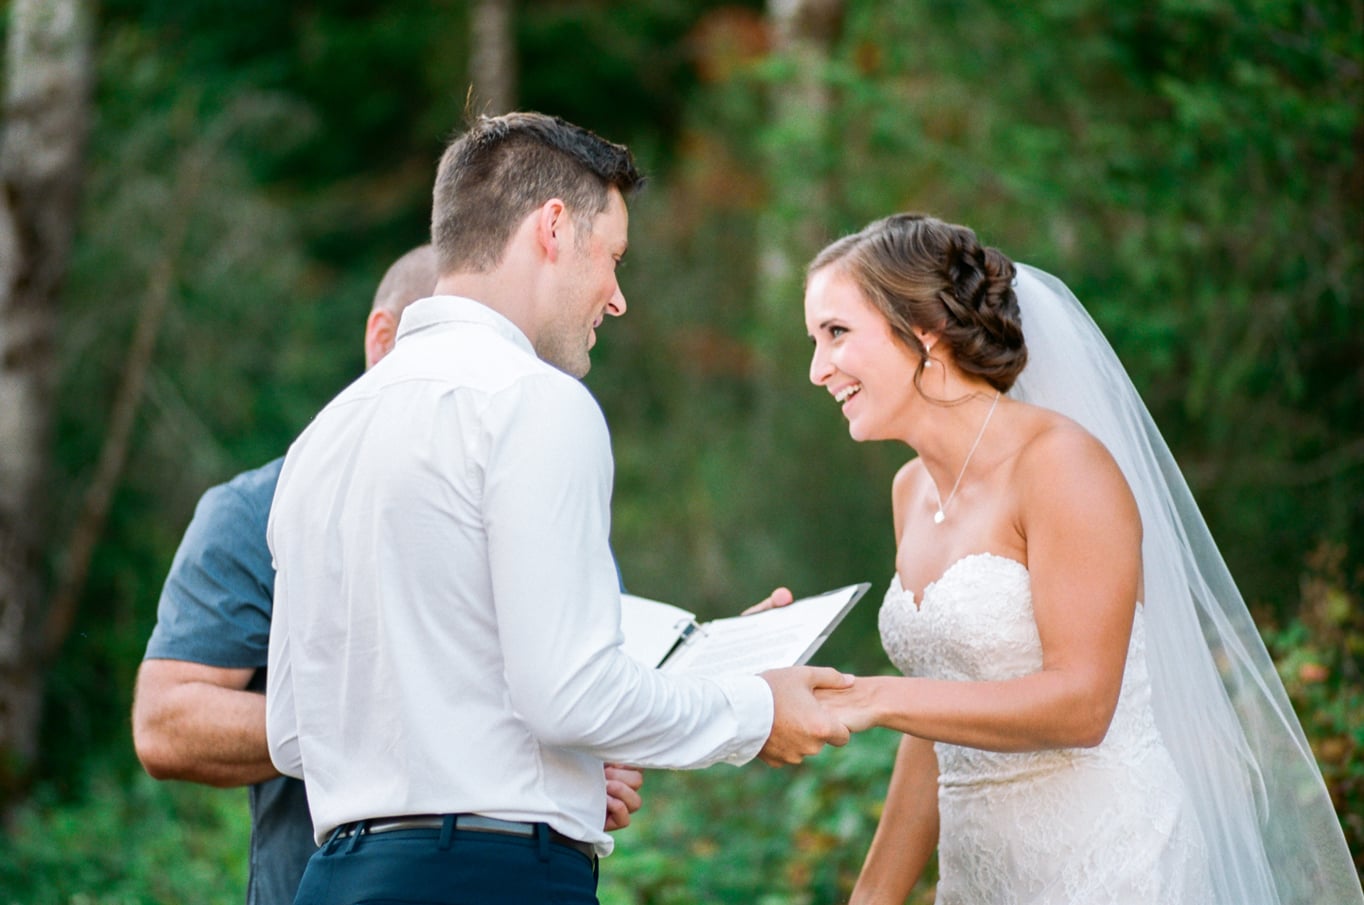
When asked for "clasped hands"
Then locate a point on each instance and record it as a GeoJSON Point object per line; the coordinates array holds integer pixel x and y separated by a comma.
{"type": "Point", "coordinates": [813, 706]}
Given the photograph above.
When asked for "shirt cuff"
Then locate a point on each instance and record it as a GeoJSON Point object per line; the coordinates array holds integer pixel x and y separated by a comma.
{"type": "Point", "coordinates": [751, 698]}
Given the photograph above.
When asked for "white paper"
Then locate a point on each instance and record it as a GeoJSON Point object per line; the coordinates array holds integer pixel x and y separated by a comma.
{"type": "Point", "coordinates": [738, 645]}
{"type": "Point", "coordinates": [651, 628]}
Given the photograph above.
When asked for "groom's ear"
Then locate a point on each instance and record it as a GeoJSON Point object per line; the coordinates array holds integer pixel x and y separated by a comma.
{"type": "Point", "coordinates": [551, 221]}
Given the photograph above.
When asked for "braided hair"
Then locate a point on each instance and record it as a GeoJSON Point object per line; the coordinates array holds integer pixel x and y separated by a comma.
{"type": "Point", "coordinates": [922, 273]}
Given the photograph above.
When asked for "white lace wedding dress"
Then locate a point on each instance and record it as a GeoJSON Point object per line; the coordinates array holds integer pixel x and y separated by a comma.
{"type": "Point", "coordinates": [1107, 825]}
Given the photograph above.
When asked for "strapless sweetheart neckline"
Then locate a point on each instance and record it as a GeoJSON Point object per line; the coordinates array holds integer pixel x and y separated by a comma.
{"type": "Point", "coordinates": [897, 586]}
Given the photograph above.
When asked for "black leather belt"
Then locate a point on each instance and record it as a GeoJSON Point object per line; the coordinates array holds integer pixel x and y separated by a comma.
{"type": "Point", "coordinates": [475, 822]}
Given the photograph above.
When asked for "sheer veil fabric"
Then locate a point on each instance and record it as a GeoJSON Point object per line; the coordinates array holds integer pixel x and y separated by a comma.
{"type": "Point", "coordinates": [1272, 833]}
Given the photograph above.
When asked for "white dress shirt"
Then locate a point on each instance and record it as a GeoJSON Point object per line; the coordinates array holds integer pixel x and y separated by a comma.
{"type": "Point", "coordinates": [446, 630]}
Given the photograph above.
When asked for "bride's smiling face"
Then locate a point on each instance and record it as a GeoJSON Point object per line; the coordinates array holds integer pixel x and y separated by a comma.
{"type": "Point", "coordinates": [857, 358]}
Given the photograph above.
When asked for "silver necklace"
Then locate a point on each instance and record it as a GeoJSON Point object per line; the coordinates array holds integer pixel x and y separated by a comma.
{"type": "Point", "coordinates": [941, 513]}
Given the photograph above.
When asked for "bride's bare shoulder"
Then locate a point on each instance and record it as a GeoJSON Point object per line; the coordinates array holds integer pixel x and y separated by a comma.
{"type": "Point", "coordinates": [1051, 439]}
{"type": "Point", "coordinates": [1061, 458]}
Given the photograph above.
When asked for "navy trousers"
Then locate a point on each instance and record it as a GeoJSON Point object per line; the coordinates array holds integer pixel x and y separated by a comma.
{"type": "Point", "coordinates": [447, 867]}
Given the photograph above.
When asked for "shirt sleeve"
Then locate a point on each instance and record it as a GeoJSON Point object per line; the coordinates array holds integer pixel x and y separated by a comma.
{"type": "Point", "coordinates": [547, 495]}
{"type": "Point", "coordinates": [281, 705]}
{"type": "Point", "coordinates": [215, 605]}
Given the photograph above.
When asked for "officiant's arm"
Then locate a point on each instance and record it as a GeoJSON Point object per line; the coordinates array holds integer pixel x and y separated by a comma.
{"type": "Point", "coordinates": [908, 831]}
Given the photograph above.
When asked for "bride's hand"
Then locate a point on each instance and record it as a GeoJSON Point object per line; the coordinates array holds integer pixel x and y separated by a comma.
{"type": "Point", "coordinates": [855, 705]}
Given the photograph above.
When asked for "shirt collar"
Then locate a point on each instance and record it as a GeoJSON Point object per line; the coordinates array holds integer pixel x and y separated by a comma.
{"type": "Point", "coordinates": [441, 310]}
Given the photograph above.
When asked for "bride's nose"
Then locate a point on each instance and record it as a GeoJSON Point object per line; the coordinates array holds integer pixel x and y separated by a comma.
{"type": "Point", "coordinates": [821, 368]}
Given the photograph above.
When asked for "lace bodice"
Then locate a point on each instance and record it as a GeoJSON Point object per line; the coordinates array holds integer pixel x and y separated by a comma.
{"type": "Point", "coordinates": [1073, 825]}
{"type": "Point", "coordinates": [976, 624]}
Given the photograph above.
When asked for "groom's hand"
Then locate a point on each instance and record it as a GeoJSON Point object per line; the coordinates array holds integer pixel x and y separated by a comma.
{"type": "Point", "coordinates": [801, 726]}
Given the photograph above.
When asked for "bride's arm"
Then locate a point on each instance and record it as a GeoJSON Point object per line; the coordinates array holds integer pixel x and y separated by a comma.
{"type": "Point", "coordinates": [908, 830]}
{"type": "Point", "coordinates": [1083, 536]}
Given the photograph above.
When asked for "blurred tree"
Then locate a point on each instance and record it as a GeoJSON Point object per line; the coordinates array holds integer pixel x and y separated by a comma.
{"type": "Point", "coordinates": [1193, 170]}
{"type": "Point", "coordinates": [796, 165]}
{"type": "Point", "coordinates": [46, 120]}
{"type": "Point", "coordinates": [1205, 205]}
{"type": "Point", "coordinates": [296, 175]}
{"type": "Point", "coordinates": [492, 55]}
{"type": "Point", "coordinates": [185, 261]}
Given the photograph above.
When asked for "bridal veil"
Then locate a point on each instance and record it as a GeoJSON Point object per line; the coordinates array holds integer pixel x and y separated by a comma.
{"type": "Point", "coordinates": [1272, 833]}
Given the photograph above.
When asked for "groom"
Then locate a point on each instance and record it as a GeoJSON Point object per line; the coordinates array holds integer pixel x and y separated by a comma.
{"type": "Point", "coordinates": [445, 669]}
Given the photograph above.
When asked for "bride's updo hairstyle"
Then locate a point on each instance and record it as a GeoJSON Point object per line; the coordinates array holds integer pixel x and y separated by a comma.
{"type": "Point", "coordinates": [921, 272]}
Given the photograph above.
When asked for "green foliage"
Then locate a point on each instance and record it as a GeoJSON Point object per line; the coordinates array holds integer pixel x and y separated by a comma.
{"type": "Point", "coordinates": [794, 836]}
{"type": "Point", "coordinates": [1320, 656]}
{"type": "Point", "coordinates": [171, 212]}
{"type": "Point", "coordinates": [633, 53]}
{"type": "Point", "coordinates": [1204, 203]}
{"type": "Point", "coordinates": [128, 842]}
{"type": "Point", "coordinates": [1191, 169]}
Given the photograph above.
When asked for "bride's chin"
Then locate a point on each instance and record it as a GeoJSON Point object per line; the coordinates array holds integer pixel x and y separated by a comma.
{"type": "Point", "coordinates": [858, 432]}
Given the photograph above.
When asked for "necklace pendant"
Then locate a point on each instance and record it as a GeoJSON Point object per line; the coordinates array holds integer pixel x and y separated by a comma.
{"type": "Point", "coordinates": [952, 495]}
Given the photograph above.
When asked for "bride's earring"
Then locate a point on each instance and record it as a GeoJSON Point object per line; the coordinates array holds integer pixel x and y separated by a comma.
{"type": "Point", "coordinates": [928, 360]}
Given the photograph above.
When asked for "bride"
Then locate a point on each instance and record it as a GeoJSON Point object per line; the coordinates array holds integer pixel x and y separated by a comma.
{"type": "Point", "coordinates": [1088, 713]}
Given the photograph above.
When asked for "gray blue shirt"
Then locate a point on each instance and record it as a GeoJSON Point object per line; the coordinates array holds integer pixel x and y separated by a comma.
{"type": "Point", "coordinates": [215, 609]}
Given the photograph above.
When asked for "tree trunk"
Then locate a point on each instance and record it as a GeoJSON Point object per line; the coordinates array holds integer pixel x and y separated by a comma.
{"type": "Point", "coordinates": [46, 119]}
{"type": "Point", "coordinates": [789, 230]}
{"type": "Point", "coordinates": [492, 57]}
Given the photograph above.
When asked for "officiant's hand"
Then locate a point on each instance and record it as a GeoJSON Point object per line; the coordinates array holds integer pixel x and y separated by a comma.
{"type": "Point", "coordinates": [801, 726]}
{"type": "Point", "coordinates": [622, 795]}
{"type": "Point", "coordinates": [778, 597]}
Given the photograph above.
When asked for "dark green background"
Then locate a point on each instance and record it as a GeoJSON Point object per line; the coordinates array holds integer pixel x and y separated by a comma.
{"type": "Point", "coordinates": [1191, 169]}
